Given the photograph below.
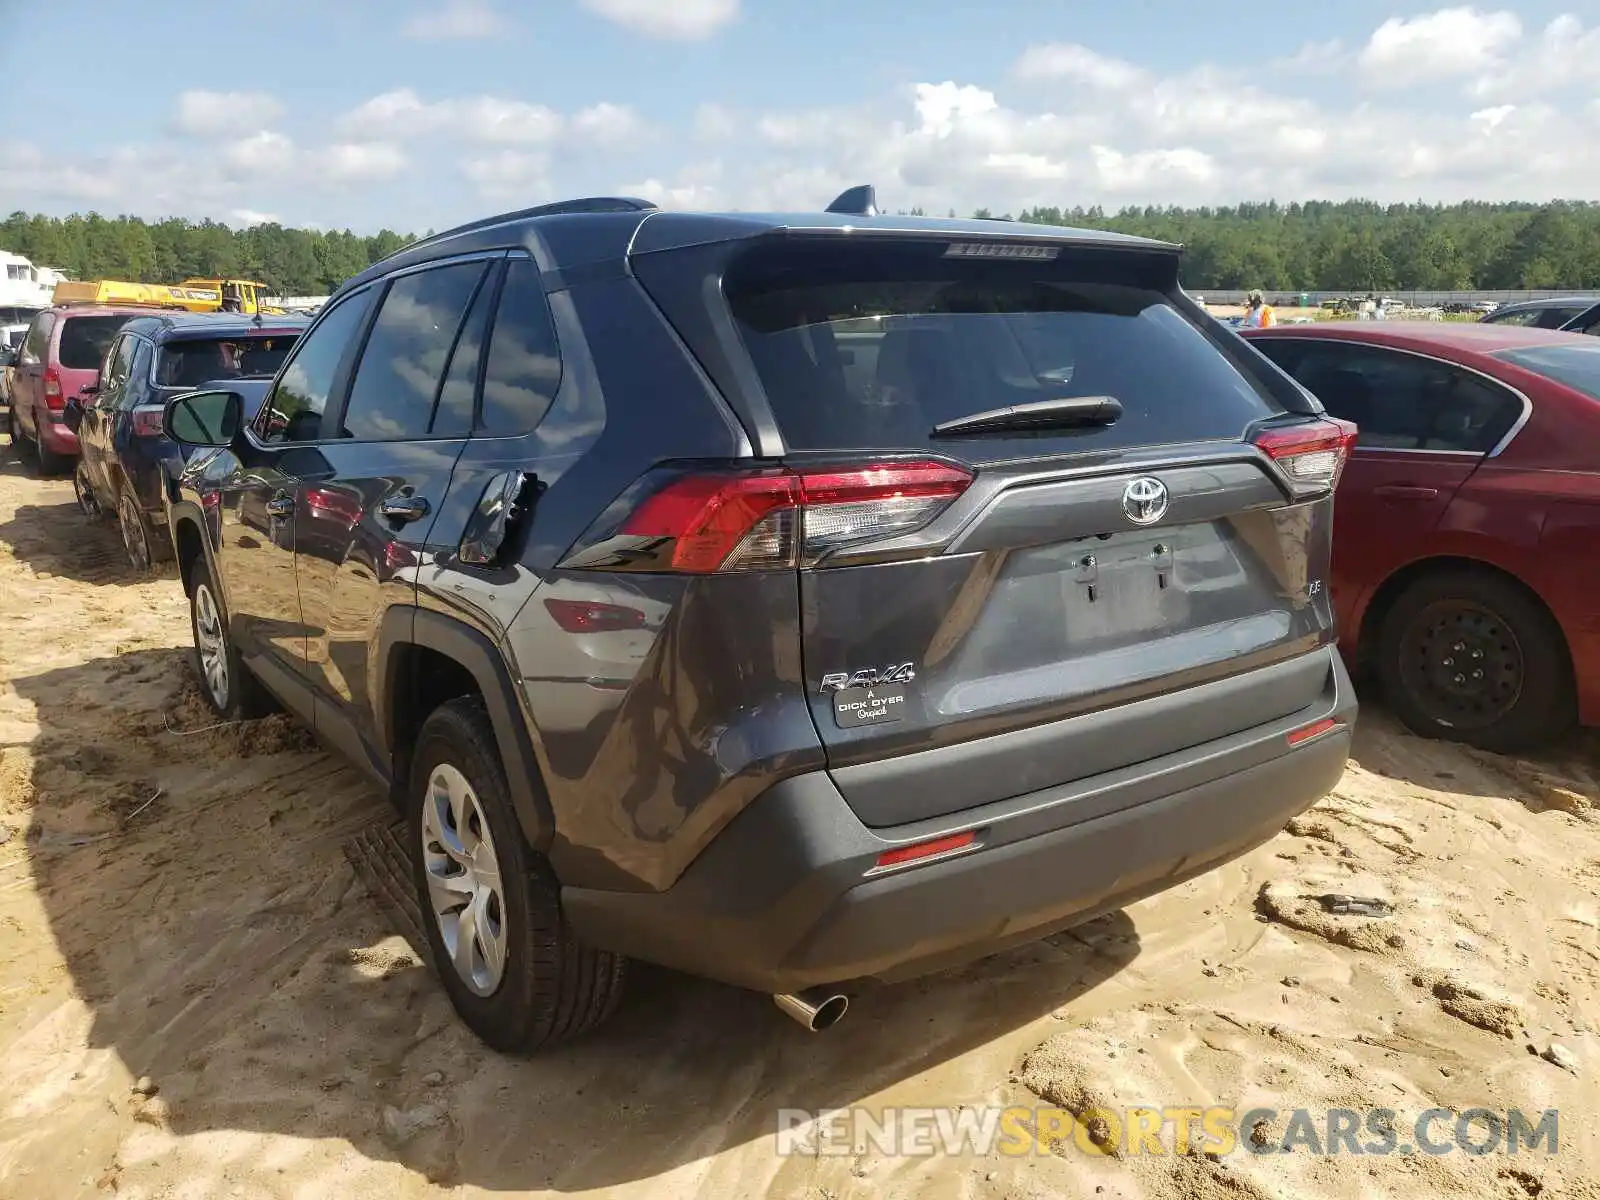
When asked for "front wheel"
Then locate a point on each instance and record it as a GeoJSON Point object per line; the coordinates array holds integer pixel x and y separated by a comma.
{"type": "Point", "coordinates": [490, 903]}
{"type": "Point", "coordinates": [229, 687]}
{"type": "Point", "coordinates": [1474, 658]}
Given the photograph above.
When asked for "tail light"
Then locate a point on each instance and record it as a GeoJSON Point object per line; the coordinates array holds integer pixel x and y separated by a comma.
{"type": "Point", "coordinates": [772, 518]}
{"type": "Point", "coordinates": [147, 422]}
{"type": "Point", "coordinates": [589, 616]}
{"type": "Point", "coordinates": [53, 398]}
{"type": "Point", "coordinates": [1311, 455]}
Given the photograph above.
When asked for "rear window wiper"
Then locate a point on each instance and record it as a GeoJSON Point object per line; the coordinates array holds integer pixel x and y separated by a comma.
{"type": "Point", "coordinates": [1066, 412]}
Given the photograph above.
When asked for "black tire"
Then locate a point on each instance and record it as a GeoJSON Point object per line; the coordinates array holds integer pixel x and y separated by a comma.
{"type": "Point", "coordinates": [1479, 623]}
{"type": "Point", "coordinates": [21, 443]}
{"type": "Point", "coordinates": [50, 463]}
{"type": "Point", "coordinates": [135, 533]}
{"type": "Point", "coordinates": [244, 696]}
{"type": "Point", "coordinates": [550, 988]}
{"type": "Point", "coordinates": [83, 492]}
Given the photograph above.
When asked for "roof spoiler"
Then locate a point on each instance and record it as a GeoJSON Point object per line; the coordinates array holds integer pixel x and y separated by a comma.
{"type": "Point", "coordinates": [859, 201]}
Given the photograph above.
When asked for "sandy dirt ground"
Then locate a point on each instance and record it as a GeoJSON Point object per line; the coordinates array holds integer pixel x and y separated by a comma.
{"type": "Point", "coordinates": [197, 998]}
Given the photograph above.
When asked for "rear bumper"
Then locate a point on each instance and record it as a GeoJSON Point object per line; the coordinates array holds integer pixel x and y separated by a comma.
{"type": "Point", "coordinates": [783, 898]}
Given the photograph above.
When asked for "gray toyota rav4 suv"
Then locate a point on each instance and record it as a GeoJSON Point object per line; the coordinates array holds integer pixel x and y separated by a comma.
{"type": "Point", "coordinates": [795, 600]}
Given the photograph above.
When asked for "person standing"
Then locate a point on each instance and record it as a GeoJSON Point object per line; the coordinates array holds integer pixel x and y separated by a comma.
{"type": "Point", "coordinates": [1258, 313]}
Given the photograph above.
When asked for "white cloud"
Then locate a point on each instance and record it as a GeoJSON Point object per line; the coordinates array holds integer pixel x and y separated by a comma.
{"type": "Point", "coordinates": [1077, 64]}
{"type": "Point", "coordinates": [359, 162]}
{"type": "Point", "coordinates": [246, 218]}
{"type": "Point", "coordinates": [458, 20]}
{"type": "Point", "coordinates": [696, 187]}
{"type": "Point", "coordinates": [676, 20]}
{"type": "Point", "coordinates": [1315, 58]}
{"type": "Point", "coordinates": [509, 173]}
{"type": "Point", "coordinates": [403, 114]}
{"type": "Point", "coordinates": [1491, 118]}
{"type": "Point", "coordinates": [1444, 44]}
{"type": "Point", "coordinates": [1565, 54]}
{"type": "Point", "coordinates": [606, 125]}
{"type": "Point", "coordinates": [264, 153]}
{"type": "Point", "coordinates": [206, 114]}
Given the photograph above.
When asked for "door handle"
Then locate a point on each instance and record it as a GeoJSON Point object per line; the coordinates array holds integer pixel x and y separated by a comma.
{"type": "Point", "coordinates": [280, 506]}
{"type": "Point", "coordinates": [1405, 491]}
{"type": "Point", "coordinates": [403, 508]}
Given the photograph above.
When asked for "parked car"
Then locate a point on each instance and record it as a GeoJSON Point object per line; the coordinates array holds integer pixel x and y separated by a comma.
{"type": "Point", "coordinates": [124, 455]}
{"type": "Point", "coordinates": [1466, 555]}
{"type": "Point", "coordinates": [60, 356]}
{"type": "Point", "coordinates": [932, 645]}
{"type": "Point", "coordinates": [1576, 314]}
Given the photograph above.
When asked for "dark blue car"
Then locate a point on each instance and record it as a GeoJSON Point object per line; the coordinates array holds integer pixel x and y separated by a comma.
{"type": "Point", "coordinates": [124, 454]}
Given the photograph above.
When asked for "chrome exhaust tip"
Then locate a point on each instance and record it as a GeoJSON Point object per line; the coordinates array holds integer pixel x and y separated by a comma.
{"type": "Point", "coordinates": [816, 1009]}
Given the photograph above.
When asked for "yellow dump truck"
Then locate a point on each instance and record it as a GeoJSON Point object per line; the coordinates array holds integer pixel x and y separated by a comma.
{"type": "Point", "coordinates": [194, 295]}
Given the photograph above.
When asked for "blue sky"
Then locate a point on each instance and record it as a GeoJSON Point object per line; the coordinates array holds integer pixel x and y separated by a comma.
{"type": "Point", "coordinates": [408, 115]}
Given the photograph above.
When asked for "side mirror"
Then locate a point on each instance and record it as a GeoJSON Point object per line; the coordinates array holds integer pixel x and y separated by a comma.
{"type": "Point", "coordinates": [204, 418]}
{"type": "Point", "coordinates": [89, 389]}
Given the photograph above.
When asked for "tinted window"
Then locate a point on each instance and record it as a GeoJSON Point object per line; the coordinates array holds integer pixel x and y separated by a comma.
{"type": "Point", "coordinates": [1521, 316]}
{"type": "Point", "coordinates": [195, 362]}
{"type": "Point", "coordinates": [404, 360]}
{"type": "Point", "coordinates": [453, 415]}
{"type": "Point", "coordinates": [85, 340]}
{"type": "Point", "coordinates": [138, 370]}
{"type": "Point", "coordinates": [1402, 401]}
{"type": "Point", "coordinates": [872, 346]}
{"type": "Point", "coordinates": [114, 377]}
{"type": "Point", "coordinates": [524, 368]}
{"type": "Point", "coordinates": [1576, 366]}
{"type": "Point", "coordinates": [293, 411]}
{"type": "Point", "coordinates": [38, 340]}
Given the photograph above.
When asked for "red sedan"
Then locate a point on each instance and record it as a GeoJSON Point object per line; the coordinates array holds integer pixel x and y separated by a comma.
{"type": "Point", "coordinates": [1466, 558]}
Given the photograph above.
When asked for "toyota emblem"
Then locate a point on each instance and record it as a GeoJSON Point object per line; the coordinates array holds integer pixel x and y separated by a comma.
{"type": "Point", "coordinates": [1145, 500]}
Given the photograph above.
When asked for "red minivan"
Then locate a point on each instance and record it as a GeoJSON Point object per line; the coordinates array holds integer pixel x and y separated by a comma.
{"type": "Point", "coordinates": [59, 357]}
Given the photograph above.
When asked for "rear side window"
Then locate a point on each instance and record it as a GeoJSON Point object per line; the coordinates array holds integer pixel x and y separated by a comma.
{"type": "Point", "coordinates": [85, 340]}
{"type": "Point", "coordinates": [452, 416]}
{"type": "Point", "coordinates": [37, 342]}
{"type": "Point", "coordinates": [1576, 366]}
{"type": "Point", "coordinates": [1523, 316]}
{"type": "Point", "coordinates": [404, 361]}
{"type": "Point", "coordinates": [871, 346]}
{"type": "Point", "coordinates": [524, 368]}
{"type": "Point", "coordinates": [1400, 401]}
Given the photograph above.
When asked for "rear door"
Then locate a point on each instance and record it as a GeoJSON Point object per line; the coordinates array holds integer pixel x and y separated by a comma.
{"type": "Point", "coordinates": [360, 524]}
{"type": "Point", "coordinates": [97, 427]}
{"type": "Point", "coordinates": [1425, 425]}
{"type": "Point", "coordinates": [27, 382]}
{"type": "Point", "coordinates": [1084, 568]}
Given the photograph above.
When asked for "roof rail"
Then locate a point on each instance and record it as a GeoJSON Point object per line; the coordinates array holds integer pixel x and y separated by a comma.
{"type": "Point", "coordinates": [585, 204]}
{"type": "Point", "coordinates": [859, 201]}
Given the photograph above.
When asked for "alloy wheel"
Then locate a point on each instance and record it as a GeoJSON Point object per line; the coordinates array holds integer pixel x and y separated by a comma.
{"type": "Point", "coordinates": [134, 537]}
{"type": "Point", "coordinates": [463, 875]}
{"type": "Point", "coordinates": [211, 641]}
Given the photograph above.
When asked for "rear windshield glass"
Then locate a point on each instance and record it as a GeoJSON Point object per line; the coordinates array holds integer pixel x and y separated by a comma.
{"type": "Point", "coordinates": [198, 361]}
{"type": "Point", "coordinates": [864, 347]}
{"type": "Point", "coordinates": [1576, 366]}
{"type": "Point", "coordinates": [85, 340]}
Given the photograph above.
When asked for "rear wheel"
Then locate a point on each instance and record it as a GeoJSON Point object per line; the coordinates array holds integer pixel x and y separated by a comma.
{"type": "Point", "coordinates": [1473, 657]}
{"type": "Point", "coordinates": [135, 536]}
{"type": "Point", "coordinates": [50, 463]}
{"type": "Point", "coordinates": [83, 492]}
{"type": "Point", "coordinates": [490, 903]}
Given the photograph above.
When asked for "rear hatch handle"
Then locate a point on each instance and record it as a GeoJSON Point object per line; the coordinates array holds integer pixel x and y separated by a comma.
{"type": "Point", "coordinates": [1064, 412]}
